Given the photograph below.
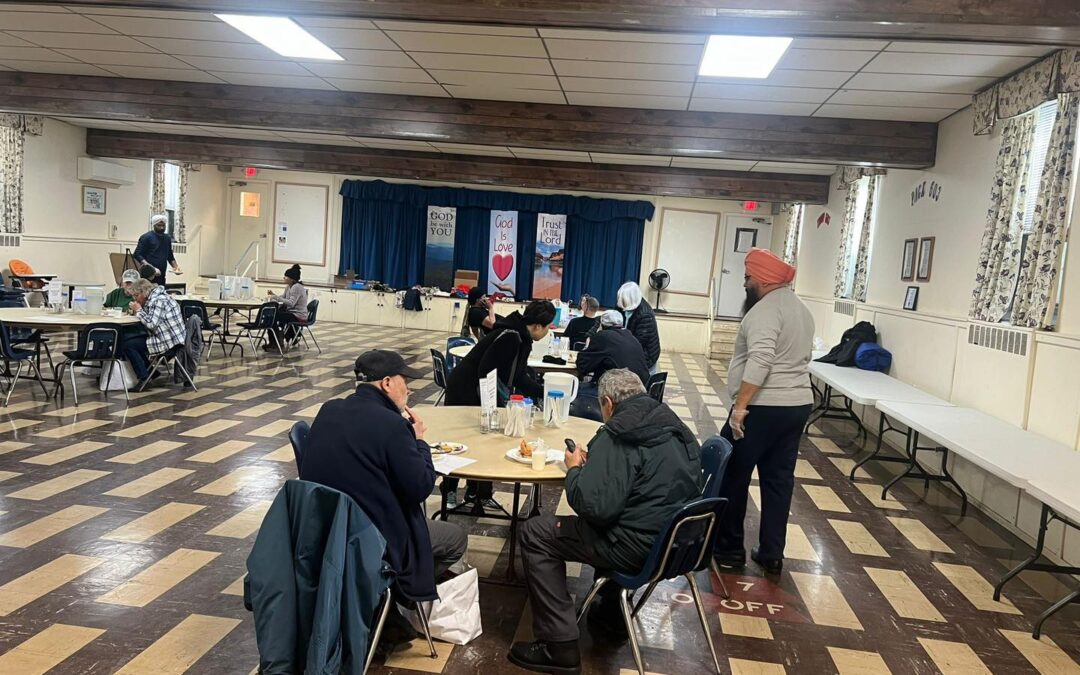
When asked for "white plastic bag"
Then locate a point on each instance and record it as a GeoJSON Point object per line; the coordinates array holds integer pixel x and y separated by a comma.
{"type": "Point", "coordinates": [121, 373]}
{"type": "Point", "coordinates": [455, 616]}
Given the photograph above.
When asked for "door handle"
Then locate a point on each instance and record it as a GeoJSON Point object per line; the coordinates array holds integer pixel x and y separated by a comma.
{"type": "Point", "coordinates": [726, 271]}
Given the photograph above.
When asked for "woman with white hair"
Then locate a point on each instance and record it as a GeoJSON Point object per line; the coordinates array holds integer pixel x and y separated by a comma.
{"type": "Point", "coordinates": [640, 321]}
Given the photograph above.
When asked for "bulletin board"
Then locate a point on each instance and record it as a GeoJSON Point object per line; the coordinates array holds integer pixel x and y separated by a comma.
{"type": "Point", "coordinates": [687, 248]}
{"type": "Point", "coordinates": [298, 231]}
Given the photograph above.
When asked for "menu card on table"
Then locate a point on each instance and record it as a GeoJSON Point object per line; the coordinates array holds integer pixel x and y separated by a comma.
{"type": "Point", "coordinates": [489, 390]}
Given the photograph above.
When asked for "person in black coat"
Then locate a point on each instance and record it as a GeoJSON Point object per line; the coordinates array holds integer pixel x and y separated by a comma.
{"type": "Point", "coordinates": [505, 348]}
{"type": "Point", "coordinates": [640, 321]}
{"type": "Point", "coordinates": [614, 347]}
{"type": "Point", "coordinates": [581, 328]}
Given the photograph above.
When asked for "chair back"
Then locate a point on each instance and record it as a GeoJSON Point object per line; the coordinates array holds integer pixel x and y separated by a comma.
{"type": "Point", "coordinates": [683, 546]}
{"type": "Point", "coordinates": [312, 311]}
{"type": "Point", "coordinates": [657, 384]}
{"type": "Point", "coordinates": [267, 314]}
{"type": "Point", "coordinates": [577, 345]}
{"type": "Point", "coordinates": [715, 455]}
{"type": "Point", "coordinates": [298, 437]}
{"type": "Point", "coordinates": [99, 341]}
{"type": "Point", "coordinates": [5, 342]}
{"type": "Point", "coordinates": [190, 308]}
{"type": "Point", "coordinates": [456, 341]}
{"type": "Point", "coordinates": [438, 362]}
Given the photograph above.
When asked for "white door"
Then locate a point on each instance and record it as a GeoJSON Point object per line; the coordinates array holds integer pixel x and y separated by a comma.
{"type": "Point", "coordinates": [741, 233]}
{"type": "Point", "coordinates": [249, 221]}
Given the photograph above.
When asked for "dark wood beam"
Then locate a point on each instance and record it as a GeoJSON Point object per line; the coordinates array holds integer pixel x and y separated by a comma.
{"type": "Point", "coordinates": [500, 123]}
{"type": "Point", "coordinates": [443, 168]}
{"type": "Point", "coordinates": [1026, 21]}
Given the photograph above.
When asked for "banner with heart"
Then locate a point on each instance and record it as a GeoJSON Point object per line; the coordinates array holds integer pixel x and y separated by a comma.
{"type": "Point", "coordinates": [503, 255]}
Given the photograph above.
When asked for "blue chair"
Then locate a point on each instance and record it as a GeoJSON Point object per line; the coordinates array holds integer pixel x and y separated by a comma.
{"type": "Point", "coordinates": [12, 354]}
{"type": "Point", "coordinates": [715, 455]}
{"type": "Point", "coordinates": [298, 437]}
{"type": "Point", "coordinates": [683, 548]}
{"type": "Point", "coordinates": [190, 308]}
{"type": "Point", "coordinates": [261, 329]}
{"type": "Point", "coordinates": [456, 341]}
{"type": "Point", "coordinates": [656, 386]}
{"type": "Point", "coordinates": [297, 329]}
{"type": "Point", "coordinates": [98, 344]}
{"type": "Point", "coordinates": [442, 374]}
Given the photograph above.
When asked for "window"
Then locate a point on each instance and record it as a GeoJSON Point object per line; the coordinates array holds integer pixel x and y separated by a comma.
{"type": "Point", "coordinates": [172, 196]}
{"type": "Point", "coordinates": [852, 246]}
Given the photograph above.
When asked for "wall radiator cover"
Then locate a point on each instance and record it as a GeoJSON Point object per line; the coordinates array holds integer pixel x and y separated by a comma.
{"type": "Point", "coordinates": [999, 338]}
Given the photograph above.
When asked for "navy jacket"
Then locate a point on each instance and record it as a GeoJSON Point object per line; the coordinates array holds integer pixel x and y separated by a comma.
{"type": "Point", "coordinates": [315, 576]}
{"type": "Point", "coordinates": [613, 348]}
{"type": "Point", "coordinates": [155, 249]}
{"type": "Point", "coordinates": [362, 446]}
{"type": "Point", "coordinates": [506, 348]}
{"type": "Point", "coordinates": [642, 324]}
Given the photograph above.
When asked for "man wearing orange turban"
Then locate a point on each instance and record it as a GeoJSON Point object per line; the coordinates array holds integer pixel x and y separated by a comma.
{"type": "Point", "coordinates": [769, 386]}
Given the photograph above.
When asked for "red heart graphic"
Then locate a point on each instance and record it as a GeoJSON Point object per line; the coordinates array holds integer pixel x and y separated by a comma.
{"type": "Point", "coordinates": [502, 264]}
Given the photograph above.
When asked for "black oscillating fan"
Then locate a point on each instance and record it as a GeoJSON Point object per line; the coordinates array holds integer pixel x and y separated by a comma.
{"type": "Point", "coordinates": [659, 280]}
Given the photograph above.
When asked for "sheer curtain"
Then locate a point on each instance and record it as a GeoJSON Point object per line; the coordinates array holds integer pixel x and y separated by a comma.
{"type": "Point", "coordinates": [794, 230]}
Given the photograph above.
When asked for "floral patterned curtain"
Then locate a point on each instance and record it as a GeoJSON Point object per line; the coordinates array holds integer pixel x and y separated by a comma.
{"type": "Point", "coordinates": [1036, 287]}
{"type": "Point", "coordinates": [999, 255]}
{"type": "Point", "coordinates": [13, 129]}
{"type": "Point", "coordinates": [1056, 74]}
{"type": "Point", "coordinates": [794, 229]}
{"type": "Point", "coordinates": [180, 230]}
{"type": "Point", "coordinates": [851, 174]}
{"type": "Point", "coordinates": [862, 258]}
{"type": "Point", "coordinates": [842, 256]}
{"type": "Point", "coordinates": [157, 188]}
{"type": "Point", "coordinates": [157, 197]}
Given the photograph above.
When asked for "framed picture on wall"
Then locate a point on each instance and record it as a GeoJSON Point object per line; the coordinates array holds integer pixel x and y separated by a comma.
{"type": "Point", "coordinates": [907, 267]}
{"type": "Point", "coordinates": [93, 199]}
{"type": "Point", "coordinates": [926, 259]}
{"type": "Point", "coordinates": [911, 298]}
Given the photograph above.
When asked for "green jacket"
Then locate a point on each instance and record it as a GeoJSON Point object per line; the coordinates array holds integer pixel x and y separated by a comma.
{"type": "Point", "coordinates": [118, 299]}
{"type": "Point", "coordinates": [644, 465]}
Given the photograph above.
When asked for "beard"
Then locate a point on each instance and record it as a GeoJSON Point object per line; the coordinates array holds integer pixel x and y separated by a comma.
{"type": "Point", "coordinates": [751, 299]}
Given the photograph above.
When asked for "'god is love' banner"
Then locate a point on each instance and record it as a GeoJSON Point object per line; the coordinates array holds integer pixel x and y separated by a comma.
{"type": "Point", "coordinates": [503, 253]}
{"type": "Point", "coordinates": [439, 258]}
{"type": "Point", "coordinates": [550, 253]}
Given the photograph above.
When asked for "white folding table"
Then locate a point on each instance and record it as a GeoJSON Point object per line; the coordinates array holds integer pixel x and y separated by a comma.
{"type": "Point", "coordinates": [1060, 498]}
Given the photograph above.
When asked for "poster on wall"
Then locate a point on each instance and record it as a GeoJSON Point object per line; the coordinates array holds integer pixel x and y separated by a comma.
{"type": "Point", "coordinates": [439, 254]}
{"type": "Point", "coordinates": [502, 254]}
{"type": "Point", "coordinates": [550, 255]}
{"type": "Point", "coordinates": [282, 235]}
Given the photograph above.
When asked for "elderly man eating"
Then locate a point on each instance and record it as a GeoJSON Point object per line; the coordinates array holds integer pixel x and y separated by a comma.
{"type": "Point", "coordinates": [164, 324]}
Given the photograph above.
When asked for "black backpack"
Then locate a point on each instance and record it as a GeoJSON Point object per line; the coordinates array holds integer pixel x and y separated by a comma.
{"type": "Point", "coordinates": [843, 354]}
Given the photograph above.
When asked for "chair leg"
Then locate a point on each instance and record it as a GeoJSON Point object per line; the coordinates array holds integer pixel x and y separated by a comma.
{"type": "Point", "coordinates": [14, 381]}
{"type": "Point", "coordinates": [186, 375]}
{"type": "Point", "coordinates": [40, 380]}
{"type": "Point", "coordinates": [724, 593]}
{"type": "Point", "coordinates": [704, 621]}
{"type": "Point", "coordinates": [628, 617]}
{"type": "Point", "coordinates": [377, 633]}
{"type": "Point", "coordinates": [644, 596]}
{"type": "Point", "coordinates": [123, 380]}
{"type": "Point", "coordinates": [74, 389]}
{"type": "Point", "coordinates": [441, 394]}
{"type": "Point", "coordinates": [316, 342]}
{"type": "Point", "coordinates": [597, 585]}
{"type": "Point", "coordinates": [421, 611]}
{"type": "Point", "coordinates": [48, 355]}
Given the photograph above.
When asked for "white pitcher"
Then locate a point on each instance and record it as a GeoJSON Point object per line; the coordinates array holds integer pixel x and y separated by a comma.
{"type": "Point", "coordinates": [568, 385]}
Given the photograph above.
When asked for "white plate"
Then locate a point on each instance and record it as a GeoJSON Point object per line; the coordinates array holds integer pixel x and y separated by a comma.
{"type": "Point", "coordinates": [460, 450]}
{"type": "Point", "coordinates": [514, 454]}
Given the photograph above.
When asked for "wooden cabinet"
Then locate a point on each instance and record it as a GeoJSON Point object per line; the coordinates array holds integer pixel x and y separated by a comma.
{"type": "Point", "coordinates": [338, 305]}
{"type": "Point", "coordinates": [368, 308]}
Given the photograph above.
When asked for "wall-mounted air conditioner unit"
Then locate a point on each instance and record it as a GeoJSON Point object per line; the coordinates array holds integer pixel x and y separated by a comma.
{"type": "Point", "coordinates": [99, 171]}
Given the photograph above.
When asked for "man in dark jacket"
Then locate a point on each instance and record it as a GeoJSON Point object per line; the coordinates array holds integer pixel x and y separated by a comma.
{"type": "Point", "coordinates": [641, 467]}
{"type": "Point", "coordinates": [370, 445]}
{"type": "Point", "coordinates": [614, 347]}
{"type": "Point", "coordinates": [640, 321]}
{"type": "Point", "coordinates": [155, 248]}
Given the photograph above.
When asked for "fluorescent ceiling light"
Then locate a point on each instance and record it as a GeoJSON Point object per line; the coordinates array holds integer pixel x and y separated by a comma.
{"type": "Point", "coordinates": [281, 34]}
{"type": "Point", "coordinates": [742, 55]}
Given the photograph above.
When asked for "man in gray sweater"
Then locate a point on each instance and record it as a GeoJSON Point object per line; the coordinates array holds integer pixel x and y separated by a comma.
{"type": "Point", "coordinates": [769, 386]}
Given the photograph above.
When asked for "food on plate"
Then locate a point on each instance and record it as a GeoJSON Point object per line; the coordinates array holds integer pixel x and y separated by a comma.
{"type": "Point", "coordinates": [446, 448]}
{"type": "Point", "coordinates": [525, 449]}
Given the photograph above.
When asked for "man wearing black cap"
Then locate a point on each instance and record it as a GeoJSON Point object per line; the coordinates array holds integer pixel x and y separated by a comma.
{"type": "Point", "coordinates": [370, 445]}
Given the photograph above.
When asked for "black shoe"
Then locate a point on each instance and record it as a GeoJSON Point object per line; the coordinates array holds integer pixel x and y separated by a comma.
{"type": "Point", "coordinates": [397, 632]}
{"type": "Point", "coordinates": [547, 657]}
{"type": "Point", "coordinates": [770, 566]}
{"type": "Point", "coordinates": [605, 621]}
{"type": "Point", "coordinates": [489, 504]}
{"type": "Point", "coordinates": [730, 559]}
{"type": "Point", "coordinates": [451, 501]}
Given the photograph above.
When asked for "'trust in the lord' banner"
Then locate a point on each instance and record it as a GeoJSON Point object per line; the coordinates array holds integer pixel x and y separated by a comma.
{"type": "Point", "coordinates": [550, 254]}
{"type": "Point", "coordinates": [503, 253]}
{"type": "Point", "coordinates": [439, 263]}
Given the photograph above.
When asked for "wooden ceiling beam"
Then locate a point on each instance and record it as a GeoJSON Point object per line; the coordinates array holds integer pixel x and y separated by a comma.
{"type": "Point", "coordinates": [443, 168]}
{"type": "Point", "coordinates": [1015, 21]}
{"type": "Point", "coordinates": [778, 138]}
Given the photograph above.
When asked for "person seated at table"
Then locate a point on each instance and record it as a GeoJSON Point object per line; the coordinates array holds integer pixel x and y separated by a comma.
{"type": "Point", "coordinates": [293, 307]}
{"type": "Point", "coordinates": [614, 347]}
{"type": "Point", "coordinates": [164, 323]}
{"type": "Point", "coordinates": [505, 349]}
{"type": "Point", "coordinates": [120, 297]}
{"type": "Point", "coordinates": [641, 467]}
{"type": "Point", "coordinates": [581, 328]}
{"type": "Point", "coordinates": [370, 445]}
{"type": "Point", "coordinates": [480, 317]}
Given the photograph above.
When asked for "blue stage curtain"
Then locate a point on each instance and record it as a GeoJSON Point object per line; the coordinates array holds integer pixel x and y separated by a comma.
{"type": "Point", "coordinates": [383, 241]}
{"type": "Point", "coordinates": [601, 256]}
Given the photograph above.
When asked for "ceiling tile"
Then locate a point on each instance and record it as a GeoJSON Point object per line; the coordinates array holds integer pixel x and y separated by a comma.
{"type": "Point", "coordinates": [917, 99]}
{"type": "Point", "coordinates": [639, 160]}
{"type": "Point", "coordinates": [870, 112]}
{"type": "Point", "coordinates": [56, 68]}
{"type": "Point", "coordinates": [210, 48]}
{"type": "Point", "coordinates": [355, 72]}
{"type": "Point", "coordinates": [173, 28]}
{"type": "Point", "coordinates": [353, 38]}
{"type": "Point", "coordinates": [515, 81]}
{"type": "Point", "coordinates": [627, 52]}
{"type": "Point", "coordinates": [113, 43]}
{"type": "Point", "coordinates": [395, 144]}
{"type": "Point", "coordinates": [752, 107]}
{"type": "Point", "coordinates": [181, 75]}
{"type": "Point", "coordinates": [376, 87]}
{"type": "Point", "coordinates": [606, 86]}
{"type": "Point", "coordinates": [31, 54]}
{"type": "Point", "coordinates": [468, 149]}
{"type": "Point", "coordinates": [970, 48]}
{"type": "Point", "coordinates": [332, 22]}
{"type": "Point", "coordinates": [820, 59]}
{"type": "Point", "coordinates": [707, 163]}
{"type": "Point", "coordinates": [491, 64]}
{"type": "Point", "coordinates": [49, 21]}
{"type": "Point", "coordinates": [628, 100]}
{"type": "Point", "coordinates": [821, 79]}
{"type": "Point", "coordinates": [261, 80]}
{"type": "Point", "coordinates": [941, 64]}
{"type": "Point", "coordinates": [147, 13]}
{"type": "Point", "coordinates": [551, 155]}
{"type": "Point", "coordinates": [793, 167]}
{"type": "Point", "coordinates": [7, 40]}
{"type": "Point", "coordinates": [372, 57]}
{"type": "Point", "coordinates": [255, 66]}
{"type": "Point", "coordinates": [468, 44]}
{"type": "Point", "coordinates": [101, 58]}
{"type": "Point", "coordinates": [843, 44]}
{"type": "Point", "coordinates": [468, 29]}
{"type": "Point", "coordinates": [942, 84]}
{"type": "Point", "coordinates": [753, 92]}
{"type": "Point", "coordinates": [506, 94]}
{"type": "Point", "coordinates": [620, 36]}
{"type": "Point", "coordinates": [625, 71]}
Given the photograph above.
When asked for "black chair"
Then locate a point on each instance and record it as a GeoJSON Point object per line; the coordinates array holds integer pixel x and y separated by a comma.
{"type": "Point", "coordinates": [12, 354]}
{"type": "Point", "coordinates": [657, 384]}
{"type": "Point", "coordinates": [294, 332]}
{"type": "Point", "coordinates": [98, 344]}
{"type": "Point", "coordinates": [258, 330]}
{"type": "Point", "coordinates": [456, 341]}
{"type": "Point", "coordinates": [683, 547]}
{"type": "Point", "coordinates": [190, 308]}
{"type": "Point", "coordinates": [578, 345]}
{"type": "Point", "coordinates": [438, 363]}
{"type": "Point", "coordinates": [298, 437]}
{"type": "Point", "coordinates": [164, 359]}
{"type": "Point", "coordinates": [21, 337]}
{"type": "Point", "coordinates": [715, 456]}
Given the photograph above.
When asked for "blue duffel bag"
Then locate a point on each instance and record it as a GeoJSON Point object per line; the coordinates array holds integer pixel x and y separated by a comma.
{"type": "Point", "coordinates": [872, 356]}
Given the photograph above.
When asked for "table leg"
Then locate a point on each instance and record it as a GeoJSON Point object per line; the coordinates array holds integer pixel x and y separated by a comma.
{"type": "Point", "coordinates": [1044, 521]}
{"type": "Point", "coordinates": [912, 437]}
{"type": "Point", "coordinates": [914, 470]}
{"type": "Point", "coordinates": [511, 568]}
{"type": "Point", "coordinates": [534, 510]}
{"type": "Point", "coordinates": [1054, 609]}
